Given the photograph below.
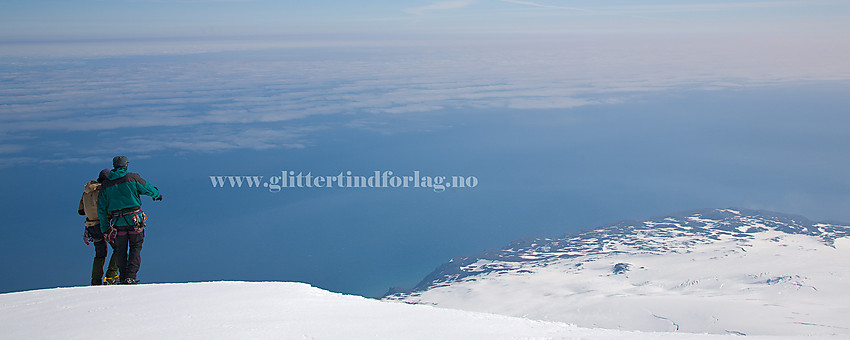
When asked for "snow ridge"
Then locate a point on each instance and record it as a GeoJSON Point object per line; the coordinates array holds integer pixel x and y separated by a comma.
{"type": "Point", "coordinates": [709, 270]}
{"type": "Point", "coordinates": [260, 310]}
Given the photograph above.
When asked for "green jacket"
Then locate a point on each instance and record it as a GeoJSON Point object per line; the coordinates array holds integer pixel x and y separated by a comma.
{"type": "Point", "coordinates": [121, 191]}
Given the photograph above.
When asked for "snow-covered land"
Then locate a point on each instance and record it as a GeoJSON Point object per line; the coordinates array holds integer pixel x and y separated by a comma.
{"type": "Point", "coordinates": [261, 310]}
{"type": "Point", "coordinates": [726, 272]}
{"type": "Point", "coordinates": [719, 271]}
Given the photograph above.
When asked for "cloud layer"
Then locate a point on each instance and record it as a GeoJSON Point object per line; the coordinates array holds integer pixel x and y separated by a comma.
{"type": "Point", "coordinates": [439, 6]}
{"type": "Point", "coordinates": [265, 98]}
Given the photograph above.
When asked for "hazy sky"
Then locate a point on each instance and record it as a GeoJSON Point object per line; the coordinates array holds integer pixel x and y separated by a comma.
{"type": "Point", "coordinates": [571, 113]}
{"type": "Point", "coordinates": [24, 20]}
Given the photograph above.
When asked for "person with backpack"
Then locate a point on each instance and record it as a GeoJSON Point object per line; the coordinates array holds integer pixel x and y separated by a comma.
{"type": "Point", "coordinates": [93, 234]}
{"type": "Point", "coordinates": [121, 216]}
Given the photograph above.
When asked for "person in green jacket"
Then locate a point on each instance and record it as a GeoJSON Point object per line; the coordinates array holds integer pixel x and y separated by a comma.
{"type": "Point", "coordinates": [88, 208]}
{"type": "Point", "coordinates": [121, 216]}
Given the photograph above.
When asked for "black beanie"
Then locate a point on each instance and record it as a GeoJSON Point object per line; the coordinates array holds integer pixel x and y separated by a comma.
{"type": "Point", "coordinates": [104, 175]}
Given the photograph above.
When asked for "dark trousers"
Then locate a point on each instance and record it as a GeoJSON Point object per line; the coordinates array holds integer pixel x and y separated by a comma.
{"type": "Point", "coordinates": [100, 257]}
{"type": "Point", "coordinates": [128, 247]}
{"type": "Point", "coordinates": [100, 248]}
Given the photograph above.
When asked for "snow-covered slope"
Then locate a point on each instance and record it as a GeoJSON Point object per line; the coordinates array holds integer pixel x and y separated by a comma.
{"type": "Point", "coordinates": [260, 310]}
{"type": "Point", "coordinates": [716, 271]}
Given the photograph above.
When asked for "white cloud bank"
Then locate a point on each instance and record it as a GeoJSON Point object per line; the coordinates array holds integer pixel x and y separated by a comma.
{"type": "Point", "coordinates": [265, 98]}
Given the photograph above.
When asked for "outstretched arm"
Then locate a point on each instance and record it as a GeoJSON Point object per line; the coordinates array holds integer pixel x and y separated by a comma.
{"type": "Point", "coordinates": [150, 190]}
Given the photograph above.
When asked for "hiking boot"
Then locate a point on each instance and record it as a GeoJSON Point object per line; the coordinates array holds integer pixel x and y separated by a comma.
{"type": "Point", "coordinates": [129, 281]}
{"type": "Point", "coordinates": [111, 280]}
